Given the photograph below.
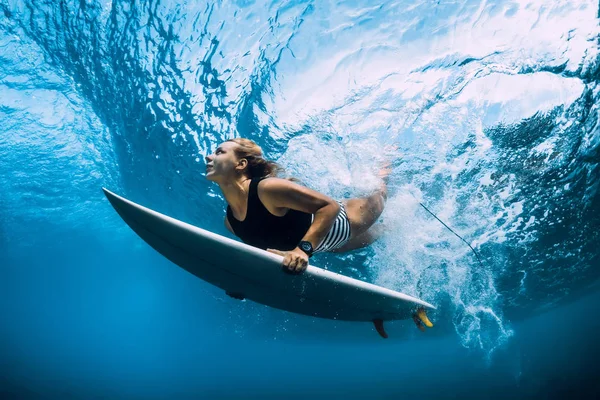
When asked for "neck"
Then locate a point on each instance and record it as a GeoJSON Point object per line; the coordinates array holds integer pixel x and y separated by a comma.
{"type": "Point", "coordinates": [236, 194]}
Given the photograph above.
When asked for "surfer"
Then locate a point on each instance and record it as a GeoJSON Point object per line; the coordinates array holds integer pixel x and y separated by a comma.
{"type": "Point", "coordinates": [284, 217]}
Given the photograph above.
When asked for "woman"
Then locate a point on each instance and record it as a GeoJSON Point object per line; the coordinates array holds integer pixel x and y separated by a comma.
{"type": "Point", "coordinates": [283, 217]}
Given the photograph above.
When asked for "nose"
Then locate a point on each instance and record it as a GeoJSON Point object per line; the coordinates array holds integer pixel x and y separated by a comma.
{"type": "Point", "coordinates": [208, 158]}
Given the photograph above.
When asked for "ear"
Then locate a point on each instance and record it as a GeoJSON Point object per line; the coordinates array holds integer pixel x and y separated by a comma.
{"type": "Point", "coordinates": [242, 164]}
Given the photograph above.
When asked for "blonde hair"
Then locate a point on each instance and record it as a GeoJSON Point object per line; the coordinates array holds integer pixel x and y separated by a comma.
{"type": "Point", "coordinates": [258, 167]}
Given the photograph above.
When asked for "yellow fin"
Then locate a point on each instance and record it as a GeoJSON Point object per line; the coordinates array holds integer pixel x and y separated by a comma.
{"type": "Point", "coordinates": [423, 317]}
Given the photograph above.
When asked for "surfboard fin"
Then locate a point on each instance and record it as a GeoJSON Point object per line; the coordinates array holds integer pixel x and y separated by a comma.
{"type": "Point", "coordinates": [420, 318]}
{"type": "Point", "coordinates": [379, 328]}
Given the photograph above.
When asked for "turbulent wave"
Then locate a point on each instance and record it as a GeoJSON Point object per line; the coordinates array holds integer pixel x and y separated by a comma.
{"type": "Point", "coordinates": [490, 105]}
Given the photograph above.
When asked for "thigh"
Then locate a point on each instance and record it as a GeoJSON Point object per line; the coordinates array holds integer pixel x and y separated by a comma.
{"type": "Point", "coordinates": [362, 240]}
{"type": "Point", "coordinates": [363, 212]}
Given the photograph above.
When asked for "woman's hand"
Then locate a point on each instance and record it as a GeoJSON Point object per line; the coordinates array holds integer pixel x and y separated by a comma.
{"type": "Point", "coordinates": [294, 261]}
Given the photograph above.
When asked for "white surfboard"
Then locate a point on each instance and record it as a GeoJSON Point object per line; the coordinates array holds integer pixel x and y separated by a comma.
{"type": "Point", "coordinates": [247, 272]}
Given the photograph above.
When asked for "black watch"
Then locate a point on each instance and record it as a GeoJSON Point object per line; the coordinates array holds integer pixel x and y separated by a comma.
{"type": "Point", "coordinates": [306, 247]}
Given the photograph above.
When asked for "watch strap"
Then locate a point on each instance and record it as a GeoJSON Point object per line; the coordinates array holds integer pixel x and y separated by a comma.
{"type": "Point", "coordinates": [306, 247]}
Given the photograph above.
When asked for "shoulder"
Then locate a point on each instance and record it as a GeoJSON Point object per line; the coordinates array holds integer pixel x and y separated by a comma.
{"type": "Point", "coordinates": [269, 184]}
{"type": "Point", "coordinates": [279, 194]}
{"type": "Point", "coordinates": [278, 186]}
{"type": "Point", "coordinates": [276, 193]}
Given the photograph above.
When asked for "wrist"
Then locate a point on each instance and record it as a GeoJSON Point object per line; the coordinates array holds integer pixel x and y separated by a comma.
{"type": "Point", "coordinates": [306, 247]}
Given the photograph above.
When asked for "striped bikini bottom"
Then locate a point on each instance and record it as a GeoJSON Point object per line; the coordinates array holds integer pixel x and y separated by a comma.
{"type": "Point", "coordinates": [338, 235]}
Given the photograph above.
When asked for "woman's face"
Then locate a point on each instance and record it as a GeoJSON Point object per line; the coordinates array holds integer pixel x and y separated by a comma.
{"type": "Point", "coordinates": [222, 164]}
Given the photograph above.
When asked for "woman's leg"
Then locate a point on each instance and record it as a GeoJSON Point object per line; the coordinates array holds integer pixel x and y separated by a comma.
{"type": "Point", "coordinates": [363, 213]}
{"type": "Point", "coordinates": [362, 240]}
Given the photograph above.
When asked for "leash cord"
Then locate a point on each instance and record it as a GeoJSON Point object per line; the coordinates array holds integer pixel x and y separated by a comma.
{"type": "Point", "coordinates": [457, 235]}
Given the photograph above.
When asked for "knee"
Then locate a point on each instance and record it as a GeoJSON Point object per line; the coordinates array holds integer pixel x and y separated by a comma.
{"type": "Point", "coordinates": [381, 203]}
{"type": "Point", "coordinates": [377, 203]}
{"type": "Point", "coordinates": [383, 193]}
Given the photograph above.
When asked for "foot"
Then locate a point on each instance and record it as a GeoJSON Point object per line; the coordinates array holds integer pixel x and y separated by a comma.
{"type": "Point", "coordinates": [418, 323]}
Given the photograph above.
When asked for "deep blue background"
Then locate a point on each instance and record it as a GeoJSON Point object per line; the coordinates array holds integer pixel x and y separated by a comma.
{"type": "Point", "coordinates": [130, 324]}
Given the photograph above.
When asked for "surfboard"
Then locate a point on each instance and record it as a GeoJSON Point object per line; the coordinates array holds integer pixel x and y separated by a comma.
{"type": "Point", "coordinates": [246, 272]}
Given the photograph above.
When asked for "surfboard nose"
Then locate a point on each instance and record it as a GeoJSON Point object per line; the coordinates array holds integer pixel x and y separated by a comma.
{"type": "Point", "coordinates": [107, 192]}
{"type": "Point", "coordinates": [120, 204]}
{"type": "Point", "coordinates": [113, 198]}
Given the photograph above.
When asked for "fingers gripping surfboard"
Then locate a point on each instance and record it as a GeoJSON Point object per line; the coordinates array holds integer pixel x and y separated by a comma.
{"type": "Point", "coordinates": [244, 271]}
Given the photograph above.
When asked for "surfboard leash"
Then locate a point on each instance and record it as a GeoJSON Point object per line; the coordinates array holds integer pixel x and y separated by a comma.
{"type": "Point", "coordinates": [457, 235]}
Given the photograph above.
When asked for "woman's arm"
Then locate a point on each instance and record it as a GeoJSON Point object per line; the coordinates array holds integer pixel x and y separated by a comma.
{"type": "Point", "coordinates": [281, 193]}
{"type": "Point", "coordinates": [228, 225]}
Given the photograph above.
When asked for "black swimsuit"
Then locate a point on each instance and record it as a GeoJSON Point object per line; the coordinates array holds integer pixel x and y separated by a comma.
{"type": "Point", "coordinates": [267, 231]}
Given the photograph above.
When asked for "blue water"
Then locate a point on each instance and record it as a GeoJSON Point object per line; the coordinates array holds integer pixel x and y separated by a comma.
{"type": "Point", "coordinates": [493, 108]}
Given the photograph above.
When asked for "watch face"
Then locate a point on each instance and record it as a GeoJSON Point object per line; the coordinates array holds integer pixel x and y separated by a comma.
{"type": "Point", "coordinates": [306, 246]}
